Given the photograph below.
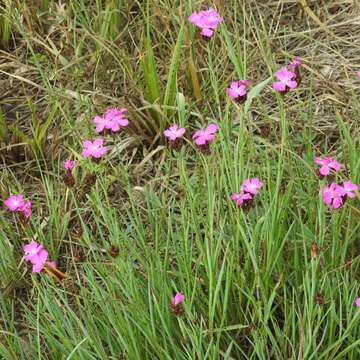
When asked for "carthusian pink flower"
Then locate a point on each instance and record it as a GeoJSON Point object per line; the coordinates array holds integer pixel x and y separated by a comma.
{"type": "Point", "coordinates": [94, 148]}
{"type": "Point", "coordinates": [358, 73]}
{"type": "Point", "coordinates": [248, 189]}
{"type": "Point", "coordinates": [285, 80]}
{"type": "Point", "coordinates": [327, 163]}
{"type": "Point", "coordinates": [238, 90]}
{"type": "Point", "coordinates": [203, 136]}
{"type": "Point", "coordinates": [37, 255]}
{"type": "Point", "coordinates": [357, 302]}
{"type": "Point", "coordinates": [333, 195]}
{"type": "Point", "coordinates": [69, 164]}
{"type": "Point", "coordinates": [349, 187]}
{"type": "Point", "coordinates": [177, 299]}
{"type": "Point", "coordinates": [241, 197]}
{"type": "Point", "coordinates": [207, 21]}
{"type": "Point", "coordinates": [26, 209]}
{"type": "Point", "coordinates": [113, 120]}
{"type": "Point", "coordinates": [177, 303]}
{"type": "Point", "coordinates": [251, 186]}
{"type": "Point", "coordinates": [174, 132]}
{"type": "Point", "coordinates": [14, 202]}
{"type": "Point", "coordinates": [116, 118]}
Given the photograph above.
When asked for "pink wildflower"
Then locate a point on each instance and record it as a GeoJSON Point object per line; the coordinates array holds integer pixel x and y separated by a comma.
{"type": "Point", "coordinates": [177, 299]}
{"type": "Point", "coordinates": [327, 163]}
{"type": "Point", "coordinates": [203, 136]}
{"type": "Point", "coordinates": [285, 80]}
{"type": "Point", "coordinates": [69, 164]}
{"type": "Point", "coordinates": [174, 132]}
{"type": "Point", "coordinates": [295, 62]}
{"type": "Point", "coordinates": [251, 186]}
{"type": "Point", "coordinates": [333, 195]}
{"type": "Point", "coordinates": [358, 73]}
{"type": "Point", "coordinates": [241, 197]}
{"type": "Point", "coordinates": [26, 209]}
{"type": "Point", "coordinates": [237, 90]}
{"type": "Point", "coordinates": [37, 255]}
{"type": "Point", "coordinates": [94, 148]}
{"type": "Point", "coordinates": [14, 202]}
{"type": "Point", "coordinates": [349, 187]}
{"type": "Point", "coordinates": [207, 21]}
{"type": "Point", "coordinates": [116, 118]}
{"type": "Point", "coordinates": [357, 302]}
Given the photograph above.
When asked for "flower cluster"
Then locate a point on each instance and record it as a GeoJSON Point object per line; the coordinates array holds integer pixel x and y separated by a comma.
{"type": "Point", "coordinates": [113, 120]}
{"type": "Point", "coordinates": [327, 164]}
{"type": "Point", "coordinates": [16, 203]}
{"type": "Point", "coordinates": [288, 77]}
{"type": "Point", "coordinates": [37, 255]}
{"type": "Point", "coordinates": [207, 21]}
{"type": "Point", "coordinates": [335, 194]}
{"type": "Point", "coordinates": [248, 189]}
{"type": "Point", "coordinates": [69, 179]}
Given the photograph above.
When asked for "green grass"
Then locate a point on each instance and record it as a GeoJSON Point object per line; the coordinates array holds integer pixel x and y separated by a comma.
{"type": "Point", "coordinates": [278, 281]}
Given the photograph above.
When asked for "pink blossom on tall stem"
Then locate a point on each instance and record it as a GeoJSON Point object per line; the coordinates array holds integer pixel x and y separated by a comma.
{"type": "Point", "coordinates": [349, 187]}
{"type": "Point", "coordinates": [238, 90]}
{"type": "Point", "coordinates": [333, 195]}
{"type": "Point", "coordinates": [240, 198]}
{"type": "Point", "coordinates": [174, 132]}
{"type": "Point", "coordinates": [207, 21]}
{"type": "Point", "coordinates": [251, 186]}
{"type": "Point", "coordinates": [248, 189]}
{"type": "Point", "coordinates": [327, 163]}
{"type": "Point", "coordinates": [14, 202]}
{"type": "Point", "coordinates": [69, 164]}
{"type": "Point", "coordinates": [203, 136]}
{"type": "Point", "coordinates": [94, 148]}
{"type": "Point", "coordinates": [177, 299]}
{"type": "Point", "coordinates": [37, 255]}
{"type": "Point", "coordinates": [357, 302]}
{"type": "Point", "coordinates": [285, 80]}
{"type": "Point", "coordinates": [116, 117]}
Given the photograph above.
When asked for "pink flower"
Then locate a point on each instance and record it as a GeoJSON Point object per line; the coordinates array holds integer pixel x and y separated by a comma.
{"type": "Point", "coordinates": [202, 136]}
{"type": "Point", "coordinates": [113, 120]}
{"type": "Point", "coordinates": [241, 197]}
{"type": "Point", "coordinates": [177, 299]}
{"type": "Point", "coordinates": [69, 164]}
{"type": "Point", "coordinates": [295, 62]}
{"type": "Point", "coordinates": [36, 254]}
{"type": "Point", "coordinates": [357, 302]}
{"type": "Point", "coordinates": [14, 202]}
{"type": "Point", "coordinates": [251, 186]}
{"type": "Point", "coordinates": [358, 73]}
{"type": "Point", "coordinates": [237, 90]}
{"type": "Point", "coordinates": [94, 148]}
{"type": "Point", "coordinates": [26, 208]}
{"type": "Point", "coordinates": [285, 80]}
{"type": "Point", "coordinates": [348, 187]}
{"type": "Point", "coordinates": [333, 195]}
{"type": "Point", "coordinates": [174, 132]}
{"type": "Point", "coordinates": [207, 21]}
{"type": "Point", "coordinates": [327, 164]}
{"type": "Point", "coordinates": [116, 118]}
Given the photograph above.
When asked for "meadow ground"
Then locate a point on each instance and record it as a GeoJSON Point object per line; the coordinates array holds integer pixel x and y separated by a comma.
{"type": "Point", "coordinates": [278, 280]}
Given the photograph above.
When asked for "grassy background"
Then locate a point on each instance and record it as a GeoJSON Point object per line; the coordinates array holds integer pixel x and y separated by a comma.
{"type": "Point", "coordinates": [276, 282]}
